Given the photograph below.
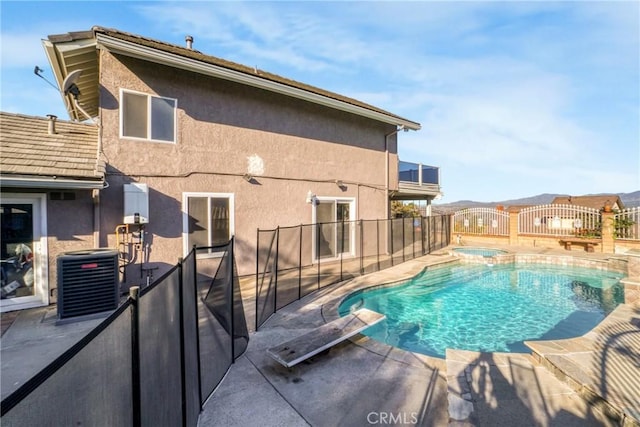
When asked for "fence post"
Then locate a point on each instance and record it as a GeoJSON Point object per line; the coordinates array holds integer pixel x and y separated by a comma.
{"type": "Point", "coordinates": [513, 227]}
{"type": "Point", "coordinates": [318, 250]}
{"type": "Point", "coordinates": [390, 227]}
{"type": "Point", "coordinates": [422, 234]}
{"type": "Point", "coordinates": [300, 266]}
{"type": "Point", "coordinates": [404, 242]}
{"type": "Point", "coordinates": [341, 246]}
{"type": "Point", "coordinates": [183, 367]}
{"type": "Point", "coordinates": [378, 243]}
{"type": "Point", "coordinates": [429, 233]}
{"type": "Point", "coordinates": [608, 233]}
{"type": "Point", "coordinates": [195, 307]}
{"type": "Point", "coordinates": [231, 299]}
{"type": "Point", "coordinates": [257, 274]}
{"type": "Point", "coordinates": [361, 248]}
{"type": "Point", "coordinates": [275, 288]}
{"type": "Point", "coordinates": [413, 236]}
{"type": "Point", "coordinates": [134, 295]}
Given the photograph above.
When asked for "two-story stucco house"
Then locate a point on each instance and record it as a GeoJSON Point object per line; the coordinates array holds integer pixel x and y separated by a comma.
{"type": "Point", "coordinates": [216, 149]}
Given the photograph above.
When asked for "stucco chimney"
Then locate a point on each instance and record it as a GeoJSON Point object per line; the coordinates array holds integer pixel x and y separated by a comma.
{"type": "Point", "coordinates": [52, 123]}
{"type": "Point", "coordinates": [189, 41]}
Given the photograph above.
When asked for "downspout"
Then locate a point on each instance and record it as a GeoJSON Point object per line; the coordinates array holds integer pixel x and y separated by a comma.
{"type": "Point", "coordinates": [386, 169]}
{"type": "Point", "coordinates": [96, 218]}
{"type": "Point", "coordinates": [101, 167]}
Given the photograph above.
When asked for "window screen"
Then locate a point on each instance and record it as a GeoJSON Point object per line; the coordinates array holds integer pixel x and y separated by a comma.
{"type": "Point", "coordinates": [148, 117]}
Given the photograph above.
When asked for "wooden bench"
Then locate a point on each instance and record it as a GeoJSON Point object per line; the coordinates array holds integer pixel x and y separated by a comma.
{"type": "Point", "coordinates": [589, 243]}
{"type": "Point", "coordinates": [326, 336]}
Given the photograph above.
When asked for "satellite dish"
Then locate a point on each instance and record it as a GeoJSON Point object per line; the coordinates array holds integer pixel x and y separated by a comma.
{"type": "Point", "coordinates": [69, 87]}
{"type": "Point", "coordinates": [69, 84]}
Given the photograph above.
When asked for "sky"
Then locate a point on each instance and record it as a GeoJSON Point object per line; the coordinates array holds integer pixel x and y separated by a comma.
{"type": "Point", "coordinates": [515, 98]}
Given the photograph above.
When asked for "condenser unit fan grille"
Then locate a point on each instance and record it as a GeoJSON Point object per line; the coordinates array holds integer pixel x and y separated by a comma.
{"type": "Point", "coordinates": [87, 282]}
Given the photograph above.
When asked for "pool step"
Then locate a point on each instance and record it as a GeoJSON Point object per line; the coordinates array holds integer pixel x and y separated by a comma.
{"type": "Point", "coordinates": [487, 389]}
{"type": "Point", "coordinates": [601, 366]}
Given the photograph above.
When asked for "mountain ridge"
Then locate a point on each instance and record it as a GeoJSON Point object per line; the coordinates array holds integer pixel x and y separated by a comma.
{"type": "Point", "coordinates": [630, 200]}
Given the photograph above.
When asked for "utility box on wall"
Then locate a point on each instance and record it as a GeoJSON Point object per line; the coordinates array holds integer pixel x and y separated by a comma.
{"type": "Point", "coordinates": [136, 203]}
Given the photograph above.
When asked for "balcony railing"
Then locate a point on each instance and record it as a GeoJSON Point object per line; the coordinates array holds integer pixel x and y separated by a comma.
{"type": "Point", "coordinates": [418, 177]}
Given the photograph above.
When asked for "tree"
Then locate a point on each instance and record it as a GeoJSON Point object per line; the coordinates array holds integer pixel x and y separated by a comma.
{"type": "Point", "coordinates": [404, 210]}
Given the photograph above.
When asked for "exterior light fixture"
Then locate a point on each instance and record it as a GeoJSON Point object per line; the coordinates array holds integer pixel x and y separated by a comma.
{"type": "Point", "coordinates": [311, 198]}
{"type": "Point", "coordinates": [247, 177]}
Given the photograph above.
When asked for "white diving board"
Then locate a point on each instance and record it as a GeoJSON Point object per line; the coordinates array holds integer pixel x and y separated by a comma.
{"type": "Point", "coordinates": [326, 336]}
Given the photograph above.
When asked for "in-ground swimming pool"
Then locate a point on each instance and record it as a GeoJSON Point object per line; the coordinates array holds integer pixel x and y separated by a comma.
{"type": "Point", "coordinates": [482, 308]}
{"type": "Point", "coordinates": [479, 251]}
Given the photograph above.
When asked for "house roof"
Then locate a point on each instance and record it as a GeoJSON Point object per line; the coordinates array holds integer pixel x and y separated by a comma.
{"type": "Point", "coordinates": [78, 50]}
{"type": "Point", "coordinates": [33, 157]}
{"type": "Point", "coordinates": [595, 202]}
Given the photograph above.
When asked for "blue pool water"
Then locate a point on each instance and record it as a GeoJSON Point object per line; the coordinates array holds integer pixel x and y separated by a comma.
{"type": "Point", "coordinates": [482, 308]}
{"type": "Point", "coordinates": [479, 251]}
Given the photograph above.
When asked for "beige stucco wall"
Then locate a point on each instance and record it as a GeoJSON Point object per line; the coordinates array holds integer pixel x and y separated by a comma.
{"type": "Point", "coordinates": [220, 127]}
{"type": "Point", "coordinates": [69, 228]}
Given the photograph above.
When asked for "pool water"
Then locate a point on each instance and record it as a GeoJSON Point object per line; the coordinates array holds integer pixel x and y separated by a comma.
{"type": "Point", "coordinates": [479, 251]}
{"type": "Point", "coordinates": [482, 308]}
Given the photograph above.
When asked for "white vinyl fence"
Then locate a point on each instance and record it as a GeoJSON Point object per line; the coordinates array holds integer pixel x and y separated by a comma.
{"type": "Point", "coordinates": [626, 224]}
{"type": "Point", "coordinates": [484, 221]}
{"type": "Point", "coordinates": [560, 220]}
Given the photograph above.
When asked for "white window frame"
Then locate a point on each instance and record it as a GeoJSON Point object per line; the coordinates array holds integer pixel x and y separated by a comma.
{"type": "Point", "coordinates": [149, 97]}
{"type": "Point", "coordinates": [352, 218]}
{"type": "Point", "coordinates": [40, 252]}
{"type": "Point", "coordinates": [185, 219]}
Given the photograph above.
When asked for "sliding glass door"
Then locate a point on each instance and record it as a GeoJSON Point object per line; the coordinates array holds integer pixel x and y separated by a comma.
{"type": "Point", "coordinates": [334, 232]}
{"type": "Point", "coordinates": [23, 272]}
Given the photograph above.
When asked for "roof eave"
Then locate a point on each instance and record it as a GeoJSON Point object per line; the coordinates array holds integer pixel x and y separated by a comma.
{"type": "Point", "coordinates": [50, 183]}
{"type": "Point", "coordinates": [59, 53]}
{"type": "Point", "coordinates": [134, 50]}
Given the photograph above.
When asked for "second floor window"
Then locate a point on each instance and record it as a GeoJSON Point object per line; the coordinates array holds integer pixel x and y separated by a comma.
{"type": "Point", "coordinates": [147, 117]}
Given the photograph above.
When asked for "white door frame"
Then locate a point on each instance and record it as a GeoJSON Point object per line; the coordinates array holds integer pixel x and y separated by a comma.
{"type": "Point", "coordinates": [352, 218]}
{"type": "Point", "coordinates": [40, 253]}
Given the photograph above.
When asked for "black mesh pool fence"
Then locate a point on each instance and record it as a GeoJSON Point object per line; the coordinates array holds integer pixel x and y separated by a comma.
{"type": "Point", "coordinates": [292, 262]}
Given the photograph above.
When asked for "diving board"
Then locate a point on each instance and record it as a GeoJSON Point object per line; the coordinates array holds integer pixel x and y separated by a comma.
{"type": "Point", "coordinates": [326, 336]}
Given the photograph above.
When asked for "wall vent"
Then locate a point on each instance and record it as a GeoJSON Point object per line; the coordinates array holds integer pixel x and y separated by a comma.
{"type": "Point", "coordinates": [87, 282]}
{"type": "Point", "coordinates": [60, 195]}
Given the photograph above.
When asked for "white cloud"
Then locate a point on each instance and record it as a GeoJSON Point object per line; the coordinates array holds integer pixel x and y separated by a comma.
{"type": "Point", "coordinates": [259, 31]}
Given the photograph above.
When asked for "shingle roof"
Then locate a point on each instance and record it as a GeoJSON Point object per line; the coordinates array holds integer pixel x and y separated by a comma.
{"type": "Point", "coordinates": [27, 148]}
{"type": "Point", "coordinates": [212, 60]}
{"type": "Point", "coordinates": [194, 54]}
{"type": "Point", "coordinates": [595, 202]}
